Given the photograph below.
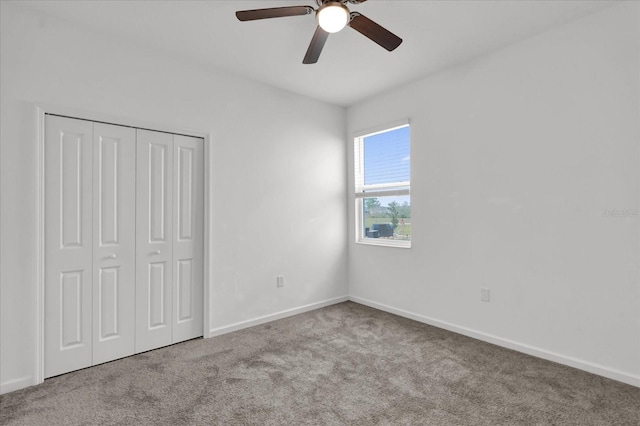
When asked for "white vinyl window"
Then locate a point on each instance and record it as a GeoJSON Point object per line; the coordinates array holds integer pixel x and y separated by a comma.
{"type": "Point", "coordinates": [383, 187]}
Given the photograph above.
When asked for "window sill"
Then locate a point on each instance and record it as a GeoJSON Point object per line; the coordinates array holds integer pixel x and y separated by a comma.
{"type": "Point", "coordinates": [382, 242]}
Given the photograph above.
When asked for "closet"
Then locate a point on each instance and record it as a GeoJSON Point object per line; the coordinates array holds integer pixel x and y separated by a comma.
{"type": "Point", "coordinates": [124, 227]}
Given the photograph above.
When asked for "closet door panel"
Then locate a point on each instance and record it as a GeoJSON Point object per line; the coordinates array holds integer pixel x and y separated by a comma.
{"type": "Point", "coordinates": [154, 228]}
{"type": "Point", "coordinates": [188, 237]}
{"type": "Point", "coordinates": [68, 244]}
{"type": "Point", "coordinates": [114, 164]}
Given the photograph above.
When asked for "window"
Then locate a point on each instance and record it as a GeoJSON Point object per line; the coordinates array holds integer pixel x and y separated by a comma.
{"type": "Point", "coordinates": [382, 187]}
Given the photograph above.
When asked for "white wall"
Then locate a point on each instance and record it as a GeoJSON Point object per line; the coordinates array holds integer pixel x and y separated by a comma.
{"type": "Point", "coordinates": [278, 171]}
{"type": "Point", "coordinates": [515, 156]}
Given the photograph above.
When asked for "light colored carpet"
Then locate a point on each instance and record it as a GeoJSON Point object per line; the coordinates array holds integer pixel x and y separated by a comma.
{"type": "Point", "coordinates": [344, 364]}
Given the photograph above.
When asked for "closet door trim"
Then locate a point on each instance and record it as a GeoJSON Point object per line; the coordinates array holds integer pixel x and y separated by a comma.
{"type": "Point", "coordinates": [40, 111]}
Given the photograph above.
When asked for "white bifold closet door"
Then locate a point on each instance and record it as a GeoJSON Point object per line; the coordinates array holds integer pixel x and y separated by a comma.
{"type": "Point", "coordinates": [114, 261]}
{"type": "Point", "coordinates": [169, 239]}
{"type": "Point", "coordinates": [89, 243]}
{"type": "Point", "coordinates": [124, 241]}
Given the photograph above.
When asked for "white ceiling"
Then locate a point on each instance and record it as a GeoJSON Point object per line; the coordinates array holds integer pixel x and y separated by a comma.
{"type": "Point", "coordinates": [436, 34]}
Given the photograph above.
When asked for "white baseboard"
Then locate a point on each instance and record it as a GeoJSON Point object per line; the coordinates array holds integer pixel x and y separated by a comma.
{"type": "Point", "coordinates": [275, 316]}
{"type": "Point", "coordinates": [15, 384]}
{"type": "Point", "coordinates": [590, 367]}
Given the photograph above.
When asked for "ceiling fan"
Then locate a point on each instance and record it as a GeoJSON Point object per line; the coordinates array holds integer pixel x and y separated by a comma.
{"type": "Point", "coordinates": [332, 16]}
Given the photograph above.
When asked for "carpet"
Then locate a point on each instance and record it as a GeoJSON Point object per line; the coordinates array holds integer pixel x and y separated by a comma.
{"type": "Point", "coordinates": [343, 364]}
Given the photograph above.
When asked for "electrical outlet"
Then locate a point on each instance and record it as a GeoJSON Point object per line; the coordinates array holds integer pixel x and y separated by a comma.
{"type": "Point", "coordinates": [280, 281]}
{"type": "Point", "coordinates": [485, 294]}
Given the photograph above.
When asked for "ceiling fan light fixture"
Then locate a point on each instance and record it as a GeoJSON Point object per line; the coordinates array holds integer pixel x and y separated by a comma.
{"type": "Point", "coordinates": [333, 16]}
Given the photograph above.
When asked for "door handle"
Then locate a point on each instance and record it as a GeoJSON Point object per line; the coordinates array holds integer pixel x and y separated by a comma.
{"type": "Point", "coordinates": [156, 252]}
{"type": "Point", "coordinates": [111, 256]}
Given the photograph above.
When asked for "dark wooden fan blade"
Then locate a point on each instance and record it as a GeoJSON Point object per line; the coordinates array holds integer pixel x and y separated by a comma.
{"type": "Point", "coordinates": [315, 47]}
{"type": "Point", "coordinates": [273, 12]}
{"type": "Point", "coordinates": [375, 32]}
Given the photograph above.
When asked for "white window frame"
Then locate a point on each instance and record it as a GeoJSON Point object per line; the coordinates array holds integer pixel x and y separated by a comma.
{"type": "Point", "coordinates": [363, 191]}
